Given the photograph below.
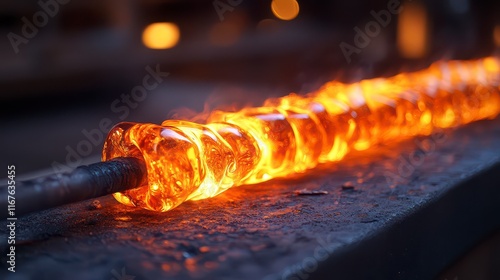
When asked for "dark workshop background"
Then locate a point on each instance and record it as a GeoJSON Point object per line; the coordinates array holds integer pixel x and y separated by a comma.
{"type": "Point", "coordinates": [66, 77]}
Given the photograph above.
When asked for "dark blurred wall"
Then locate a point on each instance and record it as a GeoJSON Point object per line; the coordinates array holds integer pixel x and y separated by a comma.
{"type": "Point", "coordinates": [86, 54]}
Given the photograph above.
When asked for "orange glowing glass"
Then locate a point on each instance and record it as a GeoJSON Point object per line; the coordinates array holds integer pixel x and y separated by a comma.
{"type": "Point", "coordinates": [295, 133]}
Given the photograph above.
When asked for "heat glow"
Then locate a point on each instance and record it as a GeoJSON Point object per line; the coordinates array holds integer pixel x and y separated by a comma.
{"type": "Point", "coordinates": [289, 135]}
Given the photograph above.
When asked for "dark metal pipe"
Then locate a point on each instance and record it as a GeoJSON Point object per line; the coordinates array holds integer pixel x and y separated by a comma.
{"type": "Point", "coordinates": [83, 183]}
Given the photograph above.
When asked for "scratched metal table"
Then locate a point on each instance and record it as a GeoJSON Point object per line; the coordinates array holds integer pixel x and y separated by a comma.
{"type": "Point", "coordinates": [402, 211]}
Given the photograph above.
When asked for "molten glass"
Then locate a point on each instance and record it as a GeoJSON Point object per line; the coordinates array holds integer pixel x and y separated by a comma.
{"type": "Point", "coordinates": [191, 161]}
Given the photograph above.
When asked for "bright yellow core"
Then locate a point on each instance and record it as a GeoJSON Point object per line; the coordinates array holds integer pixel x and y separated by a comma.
{"type": "Point", "coordinates": [161, 35]}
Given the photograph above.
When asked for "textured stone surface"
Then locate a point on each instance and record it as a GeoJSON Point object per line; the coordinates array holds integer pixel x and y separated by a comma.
{"type": "Point", "coordinates": [383, 210]}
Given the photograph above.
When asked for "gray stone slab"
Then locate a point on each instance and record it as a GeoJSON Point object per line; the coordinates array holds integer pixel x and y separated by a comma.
{"type": "Point", "coordinates": [403, 210]}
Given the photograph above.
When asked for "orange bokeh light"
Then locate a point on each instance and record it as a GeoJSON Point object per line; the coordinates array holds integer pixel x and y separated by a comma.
{"type": "Point", "coordinates": [161, 35]}
{"type": "Point", "coordinates": [496, 35]}
{"type": "Point", "coordinates": [285, 9]}
{"type": "Point", "coordinates": [412, 31]}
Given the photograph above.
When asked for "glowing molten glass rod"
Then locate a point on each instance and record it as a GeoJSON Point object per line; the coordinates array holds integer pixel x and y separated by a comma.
{"type": "Point", "coordinates": [186, 160]}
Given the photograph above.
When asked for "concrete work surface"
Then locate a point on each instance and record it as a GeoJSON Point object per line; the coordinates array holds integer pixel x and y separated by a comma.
{"type": "Point", "coordinates": [404, 210]}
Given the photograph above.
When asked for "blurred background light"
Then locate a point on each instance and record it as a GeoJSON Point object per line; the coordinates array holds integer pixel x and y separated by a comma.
{"type": "Point", "coordinates": [496, 35]}
{"type": "Point", "coordinates": [267, 25]}
{"type": "Point", "coordinates": [229, 31]}
{"type": "Point", "coordinates": [412, 33]}
{"type": "Point", "coordinates": [161, 35]}
{"type": "Point", "coordinates": [285, 9]}
{"type": "Point", "coordinates": [223, 34]}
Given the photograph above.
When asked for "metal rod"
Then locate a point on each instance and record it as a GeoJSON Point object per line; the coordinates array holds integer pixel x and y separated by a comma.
{"type": "Point", "coordinates": [83, 183]}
